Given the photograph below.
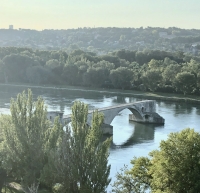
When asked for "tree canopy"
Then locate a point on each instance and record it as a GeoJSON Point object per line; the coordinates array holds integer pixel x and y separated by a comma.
{"type": "Point", "coordinates": [154, 70]}
{"type": "Point", "coordinates": [25, 134]}
{"type": "Point", "coordinates": [173, 168]}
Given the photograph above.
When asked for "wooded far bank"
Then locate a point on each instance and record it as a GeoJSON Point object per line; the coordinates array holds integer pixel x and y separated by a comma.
{"type": "Point", "coordinates": [148, 70]}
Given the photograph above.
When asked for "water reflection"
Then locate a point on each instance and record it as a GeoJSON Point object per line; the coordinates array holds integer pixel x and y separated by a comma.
{"type": "Point", "coordinates": [122, 99]}
{"type": "Point", "coordinates": [183, 108]}
{"type": "Point", "coordinates": [142, 133]}
{"type": "Point", "coordinates": [198, 110]}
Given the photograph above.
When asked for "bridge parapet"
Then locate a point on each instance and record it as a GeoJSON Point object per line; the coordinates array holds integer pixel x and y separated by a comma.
{"type": "Point", "coordinates": [142, 111]}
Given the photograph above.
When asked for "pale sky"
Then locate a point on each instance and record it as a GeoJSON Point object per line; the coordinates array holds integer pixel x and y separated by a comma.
{"type": "Point", "coordinates": [67, 14]}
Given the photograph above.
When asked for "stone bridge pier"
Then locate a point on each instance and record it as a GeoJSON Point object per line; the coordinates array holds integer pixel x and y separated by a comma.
{"type": "Point", "coordinates": [141, 111]}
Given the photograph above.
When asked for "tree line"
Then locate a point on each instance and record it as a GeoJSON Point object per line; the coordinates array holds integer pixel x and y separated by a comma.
{"type": "Point", "coordinates": [149, 70]}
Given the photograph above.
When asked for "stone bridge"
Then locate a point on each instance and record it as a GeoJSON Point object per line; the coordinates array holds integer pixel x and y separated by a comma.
{"type": "Point", "coordinates": [142, 111]}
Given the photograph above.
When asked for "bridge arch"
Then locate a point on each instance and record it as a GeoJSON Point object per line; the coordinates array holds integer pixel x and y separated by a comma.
{"type": "Point", "coordinates": [136, 113]}
{"type": "Point", "coordinates": [109, 115]}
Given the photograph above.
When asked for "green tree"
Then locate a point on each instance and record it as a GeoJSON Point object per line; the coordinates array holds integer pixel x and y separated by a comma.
{"type": "Point", "coordinates": [136, 179]}
{"type": "Point", "coordinates": [193, 67]}
{"type": "Point", "coordinates": [3, 78]}
{"type": "Point", "coordinates": [170, 73]}
{"type": "Point", "coordinates": [185, 82]}
{"type": "Point", "coordinates": [151, 79]}
{"type": "Point", "coordinates": [26, 134]}
{"type": "Point", "coordinates": [121, 77]}
{"type": "Point", "coordinates": [173, 168]}
{"type": "Point", "coordinates": [39, 75]}
{"type": "Point", "coordinates": [16, 65]}
{"type": "Point", "coordinates": [52, 64]}
{"type": "Point", "coordinates": [112, 59]}
{"type": "Point", "coordinates": [70, 71]}
{"type": "Point", "coordinates": [125, 54]}
{"type": "Point", "coordinates": [80, 162]}
{"type": "Point", "coordinates": [155, 64]}
{"type": "Point", "coordinates": [98, 73]}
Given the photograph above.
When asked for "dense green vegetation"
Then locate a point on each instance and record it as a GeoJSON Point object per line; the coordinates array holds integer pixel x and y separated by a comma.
{"type": "Point", "coordinates": [150, 70]}
{"type": "Point", "coordinates": [39, 155]}
{"type": "Point", "coordinates": [174, 168]}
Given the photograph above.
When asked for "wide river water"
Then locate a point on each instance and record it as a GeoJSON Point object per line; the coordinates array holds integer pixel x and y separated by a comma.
{"type": "Point", "coordinates": [129, 139]}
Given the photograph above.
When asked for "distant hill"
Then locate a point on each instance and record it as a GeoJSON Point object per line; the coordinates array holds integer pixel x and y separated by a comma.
{"type": "Point", "coordinates": [104, 40]}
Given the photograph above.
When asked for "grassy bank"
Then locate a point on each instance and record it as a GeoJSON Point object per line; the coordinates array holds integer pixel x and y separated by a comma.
{"type": "Point", "coordinates": [139, 94]}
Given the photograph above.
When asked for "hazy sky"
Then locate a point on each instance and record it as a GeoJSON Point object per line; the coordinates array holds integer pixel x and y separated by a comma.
{"type": "Point", "coordinates": [65, 14]}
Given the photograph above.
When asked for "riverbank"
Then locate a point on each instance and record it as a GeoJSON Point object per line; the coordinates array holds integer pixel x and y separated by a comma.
{"type": "Point", "coordinates": [140, 94]}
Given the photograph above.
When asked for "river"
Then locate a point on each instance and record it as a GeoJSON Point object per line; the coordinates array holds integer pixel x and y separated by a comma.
{"type": "Point", "coordinates": [129, 139]}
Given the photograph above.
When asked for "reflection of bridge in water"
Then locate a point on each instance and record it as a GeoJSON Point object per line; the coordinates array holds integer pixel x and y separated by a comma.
{"type": "Point", "coordinates": [142, 111]}
{"type": "Point", "coordinates": [142, 133]}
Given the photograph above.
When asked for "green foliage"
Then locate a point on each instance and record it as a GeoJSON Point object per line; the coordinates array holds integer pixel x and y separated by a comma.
{"type": "Point", "coordinates": [52, 64]}
{"type": "Point", "coordinates": [170, 73]}
{"type": "Point", "coordinates": [81, 157]}
{"type": "Point", "coordinates": [155, 64]}
{"type": "Point", "coordinates": [33, 152]}
{"type": "Point", "coordinates": [38, 75]}
{"type": "Point", "coordinates": [156, 70]}
{"type": "Point", "coordinates": [16, 65]}
{"type": "Point", "coordinates": [126, 54]}
{"type": "Point", "coordinates": [173, 168]}
{"type": "Point", "coordinates": [185, 82]}
{"type": "Point", "coordinates": [2, 72]}
{"type": "Point", "coordinates": [121, 77]}
{"type": "Point", "coordinates": [27, 137]}
{"type": "Point", "coordinates": [98, 73]}
{"type": "Point", "coordinates": [70, 73]}
{"type": "Point", "coordinates": [151, 78]}
{"type": "Point", "coordinates": [129, 181]}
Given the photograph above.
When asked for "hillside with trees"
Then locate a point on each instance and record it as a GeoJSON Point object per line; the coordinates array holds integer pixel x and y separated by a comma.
{"type": "Point", "coordinates": [103, 40]}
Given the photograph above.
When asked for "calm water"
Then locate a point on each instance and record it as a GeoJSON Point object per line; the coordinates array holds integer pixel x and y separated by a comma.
{"type": "Point", "coordinates": [129, 139]}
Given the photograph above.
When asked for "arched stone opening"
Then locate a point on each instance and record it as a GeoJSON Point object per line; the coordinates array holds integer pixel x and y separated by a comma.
{"type": "Point", "coordinates": [136, 114]}
{"type": "Point", "coordinates": [109, 115]}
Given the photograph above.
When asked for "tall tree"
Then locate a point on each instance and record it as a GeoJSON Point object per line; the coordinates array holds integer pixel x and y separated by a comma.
{"type": "Point", "coordinates": [26, 133]}
{"type": "Point", "coordinates": [81, 164]}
